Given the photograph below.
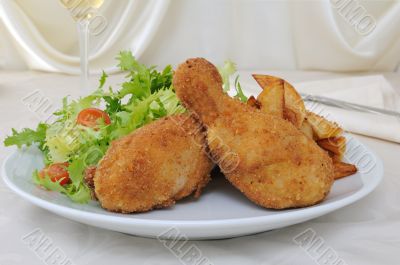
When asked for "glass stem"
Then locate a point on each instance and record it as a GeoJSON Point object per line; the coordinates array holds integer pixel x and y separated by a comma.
{"type": "Point", "coordinates": [83, 31]}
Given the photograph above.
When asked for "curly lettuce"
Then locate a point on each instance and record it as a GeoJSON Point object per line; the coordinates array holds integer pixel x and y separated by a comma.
{"type": "Point", "coordinates": [226, 72]}
{"type": "Point", "coordinates": [146, 95]}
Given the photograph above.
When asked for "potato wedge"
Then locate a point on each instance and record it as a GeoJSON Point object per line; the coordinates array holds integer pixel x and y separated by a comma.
{"type": "Point", "coordinates": [294, 109]}
{"type": "Point", "coordinates": [307, 129]}
{"type": "Point", "coordinates": [342, 169]}
{"type": "Point", "coordinates": [336, 145]}
{"type": "Point", "coordinates": [322, 127]}
{"type": "Point", "coordinates": [335, 157]}
{"type": "Point", "coordinates": [252, 101]}
{"type": "Point", "coordinates": [266, 81]}
{"type": "Point", "coordinates": [271, 98]}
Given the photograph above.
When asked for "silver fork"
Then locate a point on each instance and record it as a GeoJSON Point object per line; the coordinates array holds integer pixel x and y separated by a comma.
{"type": "Point", "coordinates": [348, 105]}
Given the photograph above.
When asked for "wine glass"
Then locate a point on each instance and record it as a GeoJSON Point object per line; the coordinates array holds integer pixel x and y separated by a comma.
{"type": "Point", "coordinates": [82, 11]}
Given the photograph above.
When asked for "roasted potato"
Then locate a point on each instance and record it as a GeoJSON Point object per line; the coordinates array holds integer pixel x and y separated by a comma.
{"type": "Point", "coordinates": [322, 127]}
{"type": "Point", "coordinates": [336, 145]}
{"type": "Point", "coordinates": [271, 98]}
{"type": "Point", "coordinates": [335, 157]}
{"type": "Point", "coordinates": [294, 109]}
{"type": "Point", "coordinates": [307, 129]}
{"type": "Point", "coordinates": [281, 99]}
{"type": "Point", "coordinates": [252, 101]}
{"type": "Point", "coordinates": [342, 169]}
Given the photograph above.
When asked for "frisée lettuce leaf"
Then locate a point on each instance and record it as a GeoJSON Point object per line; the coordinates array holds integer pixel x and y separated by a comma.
{"type": "Point", "coordinates": [28, 137]}
{"type": "Point", "coordinates": [145, 95]}
{"type": "Point", "coordinates": [227, 71]}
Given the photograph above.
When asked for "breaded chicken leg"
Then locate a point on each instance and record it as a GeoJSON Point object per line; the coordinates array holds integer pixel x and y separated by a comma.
{"type": "Point", "coordinates": [268, 159]}
{"type": "Point", "coordinates": [154, 166]}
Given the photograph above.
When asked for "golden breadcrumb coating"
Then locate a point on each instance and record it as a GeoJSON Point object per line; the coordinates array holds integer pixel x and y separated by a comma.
{"type": "Point", "coordinates": [267, 158]}
{"type": "Point", "coordinates": [154, 166]}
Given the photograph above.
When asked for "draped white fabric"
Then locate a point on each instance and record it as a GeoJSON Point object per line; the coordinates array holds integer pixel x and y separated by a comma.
{"type": "Point", "coordinates": [325, 35]}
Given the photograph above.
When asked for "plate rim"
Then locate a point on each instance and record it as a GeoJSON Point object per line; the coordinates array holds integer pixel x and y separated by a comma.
{"type": "Point", "coordinates": [304, 213]}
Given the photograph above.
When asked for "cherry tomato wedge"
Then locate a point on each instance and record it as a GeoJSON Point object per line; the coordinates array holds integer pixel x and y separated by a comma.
{"type": "Point", "coordinates": [56, 172]}
{"type": "Point", "coordinates": [90, 117]}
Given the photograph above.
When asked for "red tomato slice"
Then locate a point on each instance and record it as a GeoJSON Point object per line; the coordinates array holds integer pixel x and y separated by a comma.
{"type": "Point", "coordinates": [89, 117]}
{"type": "Point", "coordinates": [56, 172]}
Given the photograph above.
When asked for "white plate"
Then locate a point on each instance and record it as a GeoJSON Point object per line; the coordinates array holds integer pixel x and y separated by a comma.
{"type": "Point", "coordinates": [220, 212]}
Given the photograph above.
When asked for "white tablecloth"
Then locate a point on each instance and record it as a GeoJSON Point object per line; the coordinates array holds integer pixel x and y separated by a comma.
{"type": "Point", "coordinates": [367, 232]}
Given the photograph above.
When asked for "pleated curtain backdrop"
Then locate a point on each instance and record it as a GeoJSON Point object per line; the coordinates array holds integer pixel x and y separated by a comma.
{"type": "Point", "coordinates": [335, 35]}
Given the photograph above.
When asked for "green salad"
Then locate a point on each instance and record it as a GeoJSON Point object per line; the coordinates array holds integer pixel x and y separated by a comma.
{"type": "Point", "coordinates": [83, 129]}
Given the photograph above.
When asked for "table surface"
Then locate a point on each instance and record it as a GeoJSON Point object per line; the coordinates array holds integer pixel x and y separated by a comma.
{"type": "Point", "coordinates": [367, 232]}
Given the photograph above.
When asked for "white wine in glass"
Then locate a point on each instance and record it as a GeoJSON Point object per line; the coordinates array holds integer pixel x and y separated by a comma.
{"type": "Point", "coordinates": [82, 11]}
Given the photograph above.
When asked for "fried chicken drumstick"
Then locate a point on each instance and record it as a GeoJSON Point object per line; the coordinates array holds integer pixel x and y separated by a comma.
{"type": "Point", "coordinates": [266, 157]}
{"type": "Point", "coordinates": [154, 166]}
